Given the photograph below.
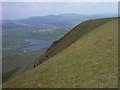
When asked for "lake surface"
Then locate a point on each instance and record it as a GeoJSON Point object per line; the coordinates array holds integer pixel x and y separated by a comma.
{"type": "Point", "coordinates": [35, 45]}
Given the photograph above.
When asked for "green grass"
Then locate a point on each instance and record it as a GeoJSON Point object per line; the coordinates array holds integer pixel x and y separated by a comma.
{"type": "Point", "coordinates": [76, 33]}
{"type": "Point", "coordinates": [89, 61]}
{"type": "Point", "coordinates": [15, 62]}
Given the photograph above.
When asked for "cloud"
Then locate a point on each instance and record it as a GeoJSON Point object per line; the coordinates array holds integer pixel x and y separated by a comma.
{"type": "Point", "coordinates": [34, 5]}
{"type": "Point", "coordinates": [0, 9]}
{"type": "Point", "coordinates": [60, 1]}
{"type": "Point", "coordinates": [28, 9]}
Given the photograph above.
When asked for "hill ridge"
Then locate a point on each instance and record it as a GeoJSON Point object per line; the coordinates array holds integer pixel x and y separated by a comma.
{"type": "Point", "coordinates": [71, 34]}
{"type": "Point", "coordinates": [90, 62]}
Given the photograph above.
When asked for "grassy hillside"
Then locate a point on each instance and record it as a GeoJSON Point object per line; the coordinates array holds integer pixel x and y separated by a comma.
{"type": "Point", "coordinates": [76, 33]}
{"type": "Point", "coordinates": [86, 57]}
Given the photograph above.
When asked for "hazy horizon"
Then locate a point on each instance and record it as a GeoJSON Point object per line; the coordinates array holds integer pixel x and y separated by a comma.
{"type": "Point", "coordinates": [21, 10]}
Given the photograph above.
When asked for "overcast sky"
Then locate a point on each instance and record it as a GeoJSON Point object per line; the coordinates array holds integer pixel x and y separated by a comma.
{"type": "Point", "coordinates": [19, 10]}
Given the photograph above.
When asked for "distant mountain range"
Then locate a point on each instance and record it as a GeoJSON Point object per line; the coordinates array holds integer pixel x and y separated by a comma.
{"type": "Point", "coordinates": [62, 20]}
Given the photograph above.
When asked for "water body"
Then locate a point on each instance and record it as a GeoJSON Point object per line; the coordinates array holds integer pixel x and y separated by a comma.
{"type": "Point", "coordinates": [35, 45]}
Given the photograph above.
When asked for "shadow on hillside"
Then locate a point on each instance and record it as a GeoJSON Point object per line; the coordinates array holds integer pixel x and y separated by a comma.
{"type": "Point", "coordinates": [6, 76]}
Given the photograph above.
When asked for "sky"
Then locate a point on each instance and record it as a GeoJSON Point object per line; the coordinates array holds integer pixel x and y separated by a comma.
{"type": "Point", "coordinates": [60, 0]}
{"type": "Point", "coordinates": [20, 10]}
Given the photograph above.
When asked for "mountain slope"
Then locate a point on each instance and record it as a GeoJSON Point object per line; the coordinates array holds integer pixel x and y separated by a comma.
{"type": "Point", "coordinates": [90, 61]}
{"type": "Point", "coordinates": [10, 24]}
{"type": "Point", "coordinates": [76, 33]}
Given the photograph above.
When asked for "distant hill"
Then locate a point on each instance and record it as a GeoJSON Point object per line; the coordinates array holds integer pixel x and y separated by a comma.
{"type": "Point", "coordinates": [86, 57]}
{"type": "Point", "coordinates": [10, 24]}
{"type": "Point", "coordinates": [62, 20]}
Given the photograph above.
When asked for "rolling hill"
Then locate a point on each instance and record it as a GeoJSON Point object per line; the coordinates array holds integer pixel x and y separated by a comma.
{"type": "Point", "coordinates": [87, 56]}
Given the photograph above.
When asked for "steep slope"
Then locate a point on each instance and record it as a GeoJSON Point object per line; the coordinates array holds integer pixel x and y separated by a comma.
{"type": "Point", "coordinates": [76, 33]}
{"type": "Point", "coordinates": [91, 60]}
